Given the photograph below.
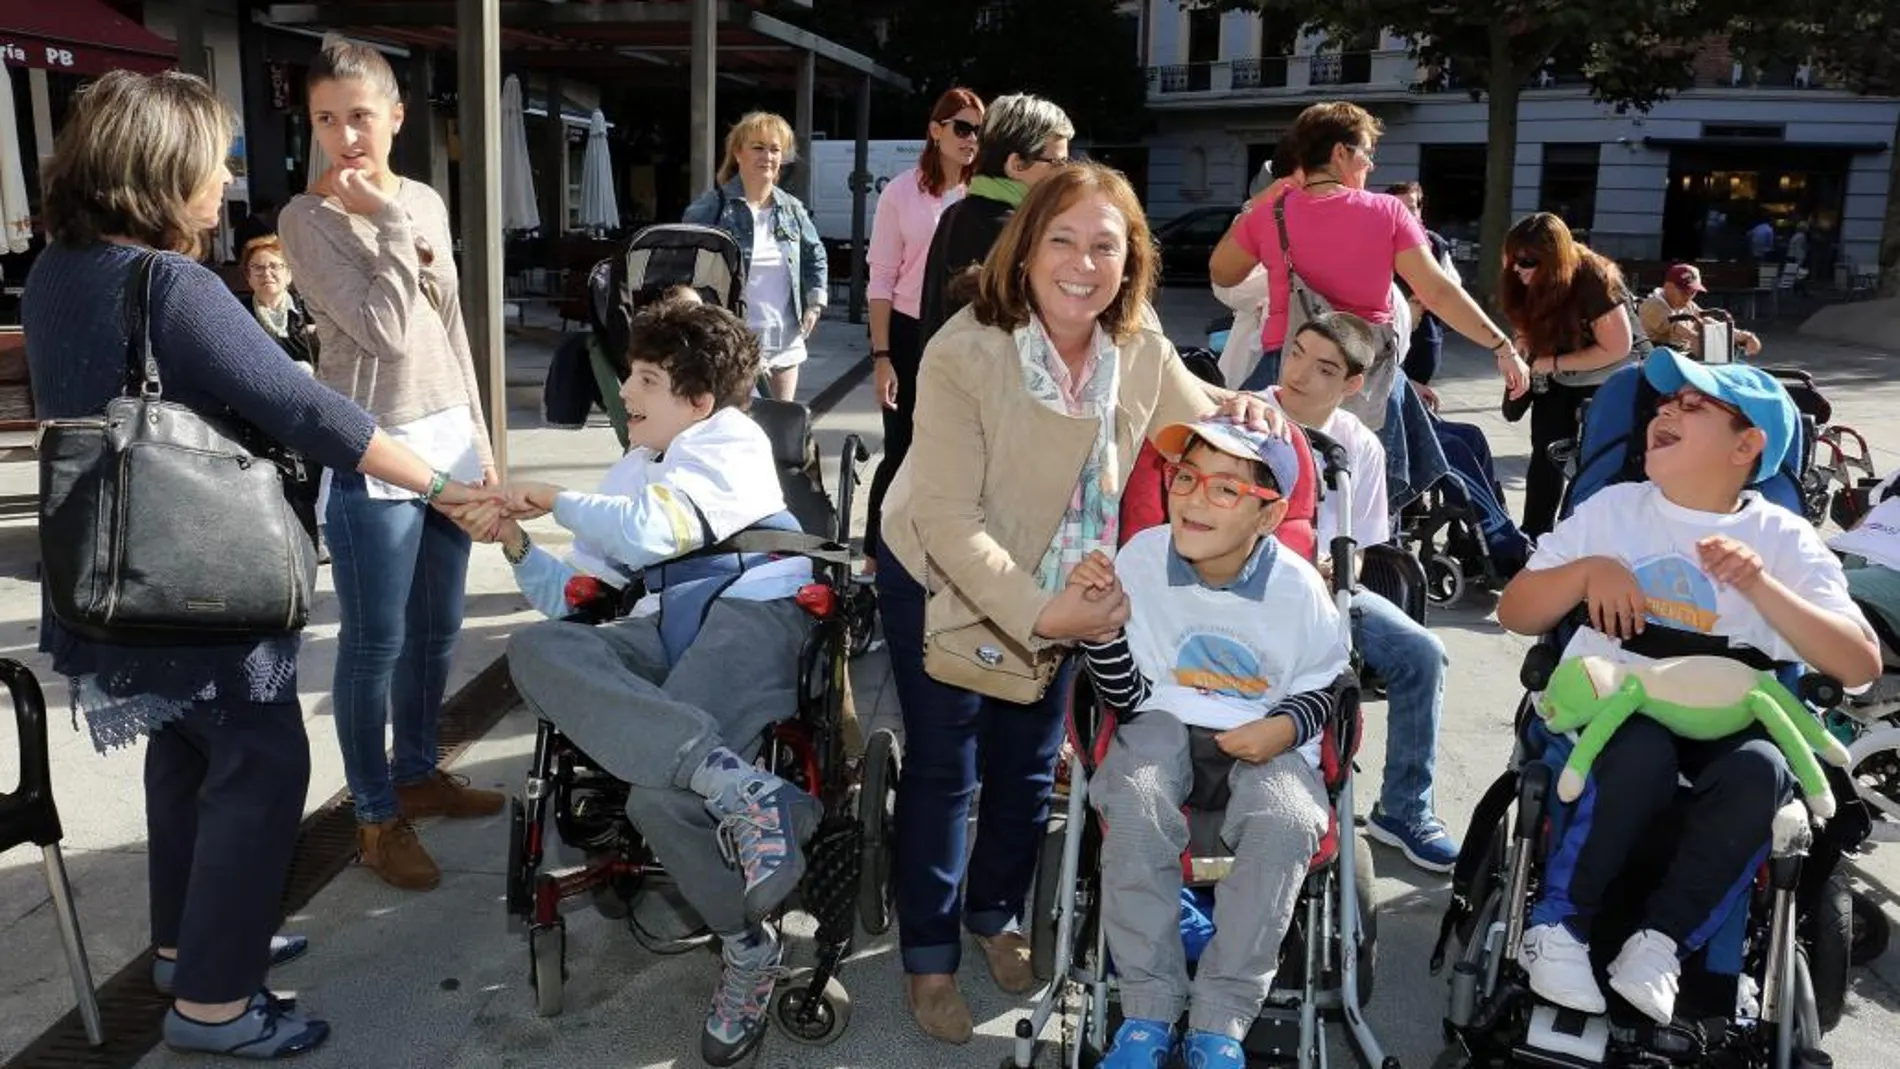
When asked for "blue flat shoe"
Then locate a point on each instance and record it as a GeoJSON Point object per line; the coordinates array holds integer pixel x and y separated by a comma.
{"type": "Point", "coordinates": [283, 948]}
{"type": "Point", "coordinates": [265, 1030]}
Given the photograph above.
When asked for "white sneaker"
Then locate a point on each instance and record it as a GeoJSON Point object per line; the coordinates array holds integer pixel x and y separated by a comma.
{"type": "Point", "coordinates": [1647, 973]}
{"type": "Point", "coordinates": [1559, 968]}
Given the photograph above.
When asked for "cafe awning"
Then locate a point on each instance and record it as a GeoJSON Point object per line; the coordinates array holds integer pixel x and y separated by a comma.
{"type": "Point", "coordinates": [79, 37]}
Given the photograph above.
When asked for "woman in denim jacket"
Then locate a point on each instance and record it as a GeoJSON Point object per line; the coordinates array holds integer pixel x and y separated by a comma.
{"type": "Point", "coordinates": [785, 271]}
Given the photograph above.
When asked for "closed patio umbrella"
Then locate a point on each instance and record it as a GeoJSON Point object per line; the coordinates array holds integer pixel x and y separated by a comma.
{"type": "Point", "coordinates": [16, 222]}
{"type": "Point", "coordinates": [518, 210]}
{"type": "Point", "coordinates": [598, 208]}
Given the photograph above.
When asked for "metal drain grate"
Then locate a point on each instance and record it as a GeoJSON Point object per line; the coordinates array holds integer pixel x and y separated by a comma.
{"type": "Point", "coordinates": [133, 1010]}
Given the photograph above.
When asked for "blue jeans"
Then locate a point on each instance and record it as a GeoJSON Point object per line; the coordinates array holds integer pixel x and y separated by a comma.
{"type": "Point", "coordinates": [1412, 662]}
{"type": "Point", "coordinates": [400, 568]}
{"type": "Point", "coordinates": [953, 738]}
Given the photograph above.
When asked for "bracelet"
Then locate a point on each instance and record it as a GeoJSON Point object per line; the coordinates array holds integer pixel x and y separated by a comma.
{"type": "Point", "coordinates": [516, 558]}
{"type": "Point", "coordinates": [437, 483]}
{"type": "Point", "coordinates": [880, 354]}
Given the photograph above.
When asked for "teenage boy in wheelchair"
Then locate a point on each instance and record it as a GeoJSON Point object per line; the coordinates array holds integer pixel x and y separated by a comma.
{"type": "Point", "coordinates": [675, 698]}
{"type": "Point", "coordinates": [1689, 548]}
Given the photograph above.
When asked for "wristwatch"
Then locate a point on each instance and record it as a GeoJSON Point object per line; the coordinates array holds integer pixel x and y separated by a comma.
{"type": "Point", "coordinates": [516, 558]}
{"type": "Point", "coordinates": [880, 354]}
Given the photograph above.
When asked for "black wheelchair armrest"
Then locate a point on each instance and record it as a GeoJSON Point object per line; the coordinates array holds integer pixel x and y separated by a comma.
{"type": "Point", "coordinates": [1822, 691]}
{"type": "Point", "coordinates": [1539, 663]}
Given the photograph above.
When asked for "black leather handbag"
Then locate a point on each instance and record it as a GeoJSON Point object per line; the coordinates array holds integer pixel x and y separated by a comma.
{"type": "Point", "coordinates": [161, 525]}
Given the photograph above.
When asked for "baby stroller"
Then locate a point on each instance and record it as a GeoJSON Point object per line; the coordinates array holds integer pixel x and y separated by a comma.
{"type": "Point", "coordinates": [1480, 544]}
{"type": "Point", "coordinates": [812, 748]}
{"type": "Point", "coordinates": [1760, 994]}
{"type": "Point", "coordinates": [1327, 958]}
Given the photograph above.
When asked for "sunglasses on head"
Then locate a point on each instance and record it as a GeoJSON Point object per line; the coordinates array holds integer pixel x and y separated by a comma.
{"type": "Point", "coordinates": [1527, 263]}
{"type": "Point", "coordinates": [962, 128]}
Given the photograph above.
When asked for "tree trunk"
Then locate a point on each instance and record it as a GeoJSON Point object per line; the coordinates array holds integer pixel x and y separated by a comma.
{"type": "Point", "coordinates": [1504, 86]}
{"type": "Point", "coordinates": [1888, 258]}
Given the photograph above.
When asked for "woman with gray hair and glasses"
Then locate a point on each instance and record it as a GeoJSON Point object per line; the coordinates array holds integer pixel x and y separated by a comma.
{"type": "Point", "coordinates": [1025, 139]}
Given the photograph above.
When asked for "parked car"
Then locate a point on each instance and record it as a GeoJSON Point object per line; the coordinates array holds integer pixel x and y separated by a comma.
{"type": "Point", "coordinates": [1188, 240]}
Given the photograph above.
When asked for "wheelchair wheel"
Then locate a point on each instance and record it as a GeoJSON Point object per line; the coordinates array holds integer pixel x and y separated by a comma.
{"type": "Point", "coordinates": [547, 968]}
{"type": "Point", "coordinates": [1829, 936]}
{"type": "Point", "coordinates": [1444, 579]}
{"type": "Point", "coordinates": [1872, 930]}
{"type": "Point", "coordinates": [877, 800]}
{"type": "Point", "coordinates": [830, 1013]}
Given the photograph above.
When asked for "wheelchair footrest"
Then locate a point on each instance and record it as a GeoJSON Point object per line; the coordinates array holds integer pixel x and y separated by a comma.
{"type": "Point", "coordinates": [1582, 1036]}
{"type": "Point", "coordinates": [830, 890]}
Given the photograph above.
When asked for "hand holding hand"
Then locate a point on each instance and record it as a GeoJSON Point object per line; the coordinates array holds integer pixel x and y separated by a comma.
{"type": "Point", "coordinates": [530, 500]}
{"type": "Point", "coordinates": [459, 493]}
{"type": "Point", "coordinates": [1096, 573]}
{"type": "Point", "coordinates": [1080, 613]}
{"type": "Point", "coordinates": [1617, 604]}
{"type": "Point", "coordinates": [482, 520]}
{"type": "Point", "coordinates": [1730, 563]}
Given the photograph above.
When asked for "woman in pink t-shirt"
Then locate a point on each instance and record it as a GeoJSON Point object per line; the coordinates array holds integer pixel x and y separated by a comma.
{"type": "Point", "coordinates": [1346, 243]}
{"type": "Point", "coordinates": [907, 213]}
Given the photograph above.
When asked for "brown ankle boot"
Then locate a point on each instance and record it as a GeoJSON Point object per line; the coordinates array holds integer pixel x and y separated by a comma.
{"type": "Point", "coordinates": [443, 795]}
{"type": "Point", "coordinates": [392, 851]}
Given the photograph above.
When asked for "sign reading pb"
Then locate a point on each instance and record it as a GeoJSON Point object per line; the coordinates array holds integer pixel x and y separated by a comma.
{"type": "Point", "coordinates": [34, 54]}
{"type": "Point", "coordinates": [80, 59]}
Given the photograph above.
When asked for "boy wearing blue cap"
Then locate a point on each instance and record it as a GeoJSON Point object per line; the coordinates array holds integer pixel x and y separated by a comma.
{"type": "Point", "coordinates": [1690, 548]}
{"type": "Point", "coordinates": [1225, 665]}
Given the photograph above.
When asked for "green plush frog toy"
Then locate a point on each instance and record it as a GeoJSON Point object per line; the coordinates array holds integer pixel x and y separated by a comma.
{"type": "Point", "coordinates": [1700, 698]}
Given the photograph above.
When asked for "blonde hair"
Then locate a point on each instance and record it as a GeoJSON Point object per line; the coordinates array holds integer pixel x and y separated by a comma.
{"type": "Point", "coordinates": [343, 60]}
{"type": "Point", "coordinates": [1004, 298]}
{"type": "Point", "coordinates": [134, 152]}
{"type": "Point", "coordinates": [756, 125]}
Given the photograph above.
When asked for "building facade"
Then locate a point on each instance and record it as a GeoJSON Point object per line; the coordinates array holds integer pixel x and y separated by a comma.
{"type": "Point", "coordinates": [1686, 180]}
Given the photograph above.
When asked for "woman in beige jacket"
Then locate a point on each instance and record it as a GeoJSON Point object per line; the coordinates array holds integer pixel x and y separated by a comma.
{"type": "Point", "coordinates": [1031, 406]}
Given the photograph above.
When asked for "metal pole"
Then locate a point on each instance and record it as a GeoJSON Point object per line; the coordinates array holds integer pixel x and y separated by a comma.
{"type": "Point", "coordinates": [478, 61]}
{"type": "Point", "coordinates": [702, 113]}
{"type": "Point", "coordinates": [801, 124]}
{"type": "Point", "coordinates": [188, 27]}
{"type": "Point", "coordinates": [860, 194]}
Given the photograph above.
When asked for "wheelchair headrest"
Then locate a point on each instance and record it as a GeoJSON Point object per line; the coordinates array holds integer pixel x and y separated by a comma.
{"type": "Point", "coordinates": [787, 426]}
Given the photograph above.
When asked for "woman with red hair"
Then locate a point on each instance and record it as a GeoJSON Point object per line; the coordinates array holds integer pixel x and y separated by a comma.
{"type": "Point", "coordinates": [1574, 321]}
{"type": "Point", "coordinates": [907, 214]}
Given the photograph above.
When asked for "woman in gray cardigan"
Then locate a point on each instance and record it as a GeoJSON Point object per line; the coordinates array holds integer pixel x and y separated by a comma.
{"type": "Point", "coordinates": [371, 252]}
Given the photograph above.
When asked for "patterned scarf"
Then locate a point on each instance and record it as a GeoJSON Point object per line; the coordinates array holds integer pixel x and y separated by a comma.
{"type": "Point", "coordinates": [1093, 519]}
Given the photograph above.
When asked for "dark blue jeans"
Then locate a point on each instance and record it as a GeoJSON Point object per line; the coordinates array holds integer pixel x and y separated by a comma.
{"type": "Point", "coordinates": [224, 791]}
{"type": "Point", "coordinates": [400, 569]}
{"type": "Point", "coordinates": [952, 739]}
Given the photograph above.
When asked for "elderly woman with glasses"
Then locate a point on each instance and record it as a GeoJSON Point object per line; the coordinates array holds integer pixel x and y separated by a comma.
{"type": "Point", "coordinates": [1572, 313]}
{"type": "Point", "coordinates": [1025, 139]}
{"type": "Point", "coordinates": [276, 306]}
{"type": "Point", "coordinates": [1060, 359]}
{"type": "Point", "coordinates": [370, 249]}
{"type": "Point", "coordinates": [907, 214]}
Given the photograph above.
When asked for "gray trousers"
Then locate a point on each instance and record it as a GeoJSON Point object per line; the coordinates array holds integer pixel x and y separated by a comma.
{"type": "Point", "coordinates": [608, 689]}
{"type": "Point", "coordinates": [1273, 824]}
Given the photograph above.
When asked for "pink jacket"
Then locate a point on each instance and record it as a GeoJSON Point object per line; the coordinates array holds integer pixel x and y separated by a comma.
{"type": "Point", "coordinates": [900, 240]}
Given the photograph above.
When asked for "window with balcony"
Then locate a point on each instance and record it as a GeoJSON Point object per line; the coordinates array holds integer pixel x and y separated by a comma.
{"type": "Point", "coordinates": [1569, 186]}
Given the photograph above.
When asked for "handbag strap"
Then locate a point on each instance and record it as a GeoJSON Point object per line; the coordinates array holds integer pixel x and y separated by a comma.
{"type": "Point", "coordinates": [141, 366]}
{"type": "Point", "coordinates": [1279, 222]}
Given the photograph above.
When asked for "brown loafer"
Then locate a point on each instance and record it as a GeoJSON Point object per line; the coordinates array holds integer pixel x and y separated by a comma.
{"type": "Point", "coordinates": [442, 795]}
{"type": "Point", "coordinates": [392, 851]}
{"type": "Point", "coordinates": [939, 1010]}
{"type": "Point", "coordinates": [1008, 954]}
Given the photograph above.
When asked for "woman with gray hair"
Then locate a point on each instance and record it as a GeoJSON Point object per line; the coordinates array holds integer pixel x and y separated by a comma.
{"type": "Point", "coordinates": [1025, 139]}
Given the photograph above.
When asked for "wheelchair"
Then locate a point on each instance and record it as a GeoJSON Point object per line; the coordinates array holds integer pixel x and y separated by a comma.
{"type": "Point", "coordinates": [814, 748]}
{"type": "Point", "coordinates": [1790, 932]}
{"type": "Point", "coordinates": [1328, 956]}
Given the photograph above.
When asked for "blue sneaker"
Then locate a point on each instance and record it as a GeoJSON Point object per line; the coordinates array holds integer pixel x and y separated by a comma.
{"type": "Point", "coordinates": [1139, 1044]}
{"type": "Point", "coordinates": [1208, 1050]}
{"type": "Point", "coordinates": [763, 824]}
{"type": "Point", "coordinates": [1424, 843]}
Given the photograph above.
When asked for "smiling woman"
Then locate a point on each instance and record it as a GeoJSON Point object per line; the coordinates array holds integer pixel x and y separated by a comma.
{"type": "Point", "coordinates": [1060, 359]}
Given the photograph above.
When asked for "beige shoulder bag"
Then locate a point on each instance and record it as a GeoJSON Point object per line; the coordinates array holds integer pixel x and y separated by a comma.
{"type": "Point", "coordinates": [962, 648]}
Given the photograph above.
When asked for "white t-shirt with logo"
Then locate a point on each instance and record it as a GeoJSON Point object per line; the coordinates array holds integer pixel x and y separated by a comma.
{"type": "Point", "coordinates": [1222, 658]}
{"type": "Point", "coordinates": [1877, 536]}
{"type": "Point", "coordinates": [1371, 516]}
{"type": "Point", "coordinates": [1656, 540]}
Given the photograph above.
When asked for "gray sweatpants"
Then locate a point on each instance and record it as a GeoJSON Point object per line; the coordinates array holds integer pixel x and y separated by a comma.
{"type": "Point", "coordinates": [1273, 824]}
{"type": "Point", "coordinates": [608, 689]}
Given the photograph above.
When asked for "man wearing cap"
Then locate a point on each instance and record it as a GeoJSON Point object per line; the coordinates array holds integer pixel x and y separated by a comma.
{"type": "Point", "coordinates": [1225, 668]}
{"type": "Point", "coordinates": [1671, 317]}
{"type": "Point", "coordinates": [1692, 549]}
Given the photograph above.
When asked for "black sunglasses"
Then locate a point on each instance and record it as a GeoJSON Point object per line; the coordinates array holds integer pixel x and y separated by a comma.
{"type": "Point", "coordinates": [964, 129]}
{"type": "Point", "coordinates": [1526, 263]}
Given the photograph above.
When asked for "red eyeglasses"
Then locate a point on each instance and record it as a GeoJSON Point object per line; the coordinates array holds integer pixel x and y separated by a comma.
{"type": "Point", "coordinates": [1222, 491]}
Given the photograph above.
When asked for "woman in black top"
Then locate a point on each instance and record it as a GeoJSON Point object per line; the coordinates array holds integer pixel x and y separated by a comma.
{"type": "Point", "coordinates": [276, 306]}
{"type": "Point", "coordinates": [139, 169]}
{"type": "Point", "coordinates": [1025, 139]}
{"type": "Point", "coordinates": [1573, 319]}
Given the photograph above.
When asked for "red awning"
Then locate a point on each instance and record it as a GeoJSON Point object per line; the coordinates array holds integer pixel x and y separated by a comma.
{"type": "Point", "coordinates": [79, 37]}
